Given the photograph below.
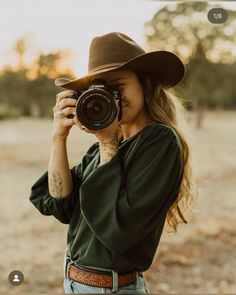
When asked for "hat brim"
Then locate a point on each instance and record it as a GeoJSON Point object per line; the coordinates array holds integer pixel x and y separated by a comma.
{"type": "Point", "coordinates": [163, 66]}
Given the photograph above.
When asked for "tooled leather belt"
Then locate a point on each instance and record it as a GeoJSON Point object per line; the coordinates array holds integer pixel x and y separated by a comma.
{"type": "Point", "coordinates": [99, 279]}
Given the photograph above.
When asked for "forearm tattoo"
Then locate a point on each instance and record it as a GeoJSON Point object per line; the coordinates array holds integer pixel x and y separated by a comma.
{"type": "Point", "coordinates": [109, 149]}
{"type": "Point", "coordinates": [55, 184]}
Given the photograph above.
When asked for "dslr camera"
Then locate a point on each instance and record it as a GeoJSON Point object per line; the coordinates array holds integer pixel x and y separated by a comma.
{"type": "Point", "coordinates": [98, 106]}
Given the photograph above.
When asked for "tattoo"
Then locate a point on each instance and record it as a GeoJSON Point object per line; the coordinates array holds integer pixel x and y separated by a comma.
{"type": "Point", "coordinates": [114, 140]}
{"type": "Point", "coordinates": [55, 183]}
{"type": "Point", "coordinates": [109, 149]}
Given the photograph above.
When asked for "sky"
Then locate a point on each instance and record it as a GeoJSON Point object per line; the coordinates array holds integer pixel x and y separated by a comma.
{"type": "Point", "coordinates": [58, 24]}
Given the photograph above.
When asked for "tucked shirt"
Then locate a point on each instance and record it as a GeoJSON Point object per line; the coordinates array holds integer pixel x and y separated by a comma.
{"type": "Point", "coordinates": [116, 211]}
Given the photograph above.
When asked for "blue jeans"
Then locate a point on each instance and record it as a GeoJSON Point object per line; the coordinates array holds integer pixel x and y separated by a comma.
{"type": "Point", "coordinates": [70, 286]}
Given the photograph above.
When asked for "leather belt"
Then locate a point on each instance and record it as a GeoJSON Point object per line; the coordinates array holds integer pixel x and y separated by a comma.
{"type": "Point", "coordinates": [98, 279]}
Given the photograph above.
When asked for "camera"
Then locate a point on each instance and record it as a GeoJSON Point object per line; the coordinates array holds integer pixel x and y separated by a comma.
{"type": "Point", "coordinates": [97, 106]}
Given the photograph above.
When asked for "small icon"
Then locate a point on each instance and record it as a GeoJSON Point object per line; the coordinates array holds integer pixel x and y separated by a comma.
{"type": "Point", "coordinates": [16, 278]}
{"type": "Point", "coordinates": [217, 15]}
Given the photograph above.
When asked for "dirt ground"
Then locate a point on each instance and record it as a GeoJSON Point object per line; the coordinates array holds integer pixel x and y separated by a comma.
{"type": "Point", "coordinates": [200, 258]}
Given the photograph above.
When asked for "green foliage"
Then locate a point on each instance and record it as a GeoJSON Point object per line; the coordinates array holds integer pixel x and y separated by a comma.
{"type": "Point", "coordinates": [205, 48]}
{"type": "Point", "coordinates": [13, 89]}
{"type": "Point", "coordinates": [29, 97]}
{"type": "Point", "coordinates": [23, 96]}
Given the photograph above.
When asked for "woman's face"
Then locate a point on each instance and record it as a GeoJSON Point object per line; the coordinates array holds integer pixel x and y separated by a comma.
{"type": "Point", "coordinates": [132, 97]}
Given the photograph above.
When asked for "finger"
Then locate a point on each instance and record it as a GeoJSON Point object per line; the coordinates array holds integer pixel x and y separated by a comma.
{"type": "Point", "coordinates": [65, 112]}
{"type": "Point", "coordinates": [64, 94]}
{"type": "Point", "coordinates": [68, 111]}
{"type": "Point", "coordinates": [79, 124]}
{"type": "Point", "coordinates": [55, 109]}
{"type": "Point", "coordinates": [77, 121]}
{"type": "Point", "coordinates": [82, 127]}
{"type": "Point", "coordinates": [66, 102]}
{"type": "Point", "coordinates": [67, 122]}
{"type": "Point", "coordinates": [59, 114]}
{"type": "Point", "coordinates": [85, 129]}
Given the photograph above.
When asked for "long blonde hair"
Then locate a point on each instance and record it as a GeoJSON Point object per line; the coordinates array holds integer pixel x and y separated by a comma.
{"type": "Point", "coordinates": [165, 107]}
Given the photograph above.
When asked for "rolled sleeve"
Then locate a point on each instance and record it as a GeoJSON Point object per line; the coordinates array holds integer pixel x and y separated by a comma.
{"type": "Point", "coordinates": [61, 208]}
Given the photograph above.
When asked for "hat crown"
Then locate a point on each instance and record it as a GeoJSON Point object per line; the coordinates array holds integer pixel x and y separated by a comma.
{"type": "Point", "coordinates": [116, 51]}
{"type": "Point", "coordinates": [112, 49]}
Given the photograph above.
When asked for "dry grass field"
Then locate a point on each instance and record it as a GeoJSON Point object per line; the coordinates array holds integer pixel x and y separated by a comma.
{"type": "Point", "coordinates": [201, 257]}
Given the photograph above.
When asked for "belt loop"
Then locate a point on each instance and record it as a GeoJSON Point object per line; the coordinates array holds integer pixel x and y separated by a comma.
{"type": "Point", "coordinates": [67, 252]}
{"type": "Point", "coordinates": [114, 281]}
{"type": "Point", "coordinates": [68, 263]}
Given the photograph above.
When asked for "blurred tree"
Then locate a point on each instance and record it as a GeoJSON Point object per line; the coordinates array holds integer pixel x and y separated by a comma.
{"type": "Point", "coordinates": [31, 91]}
{"type": "Point", "coordinates": [13, 95]}
{"type": "Point", "coordinates": [184, 29]}
{"type": "Point", "coordinates": [42, 91]}
{"type": "Point", "coordinates": [41, 96]}
{"type": "Point", "coordinates": [20, 48]}
{"type": "Point", "coordinates": [49, 64]}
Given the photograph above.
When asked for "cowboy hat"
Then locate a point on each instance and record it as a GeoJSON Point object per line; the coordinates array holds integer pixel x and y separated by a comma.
{"type": "Point", "coordinates": [117, 51]}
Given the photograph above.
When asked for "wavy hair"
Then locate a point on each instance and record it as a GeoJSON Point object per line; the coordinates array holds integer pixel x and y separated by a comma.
{"type": "Point", "coordinates": [164, 106]}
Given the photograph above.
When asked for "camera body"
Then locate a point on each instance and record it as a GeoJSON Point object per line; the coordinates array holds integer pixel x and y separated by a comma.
{"type": "Point", "coordinates": [97, 106]}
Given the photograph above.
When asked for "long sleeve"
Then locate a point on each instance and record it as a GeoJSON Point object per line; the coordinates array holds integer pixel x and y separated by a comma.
{"type": "Point", "coordinates": [124, 200]}
{"type": "Point", "coordinates": [62, 208]}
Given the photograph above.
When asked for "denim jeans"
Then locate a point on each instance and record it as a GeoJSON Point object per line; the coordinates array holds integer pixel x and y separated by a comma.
{"type": "Point", "coordinates": [70, 286]}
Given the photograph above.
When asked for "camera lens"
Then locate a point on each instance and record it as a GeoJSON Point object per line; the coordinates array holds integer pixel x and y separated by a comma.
{"type": "Point", "coordinates": [96, 108]}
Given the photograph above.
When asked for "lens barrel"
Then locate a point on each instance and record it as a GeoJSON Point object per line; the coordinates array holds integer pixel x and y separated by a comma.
{"type": "Point", "coordinates": [96, 107]}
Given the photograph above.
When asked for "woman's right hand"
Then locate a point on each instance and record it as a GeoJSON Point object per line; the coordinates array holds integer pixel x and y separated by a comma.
{"type": "Point", "coordinates": [65, 106]}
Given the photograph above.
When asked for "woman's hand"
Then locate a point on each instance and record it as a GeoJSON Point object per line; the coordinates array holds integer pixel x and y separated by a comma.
{"type": "Point", "coordinates": [108, 139]}
{"type": "Point", "coordinates": [65, 106]}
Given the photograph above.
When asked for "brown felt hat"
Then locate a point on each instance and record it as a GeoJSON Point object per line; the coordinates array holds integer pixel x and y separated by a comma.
{"type": "Point", "coordinates": [117, 51]}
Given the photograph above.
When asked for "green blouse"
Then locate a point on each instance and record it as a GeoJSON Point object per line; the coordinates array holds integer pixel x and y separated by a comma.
{"type": "Point", "coordinates": [116, 211]}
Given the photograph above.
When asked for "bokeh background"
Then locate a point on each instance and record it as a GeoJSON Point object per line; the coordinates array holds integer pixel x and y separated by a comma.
{"type": "Point", "coordinates": [43, 40]}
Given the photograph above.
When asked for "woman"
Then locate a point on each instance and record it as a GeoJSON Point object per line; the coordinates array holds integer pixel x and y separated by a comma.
{"type": "Point", "coordinates": [116, 201]}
